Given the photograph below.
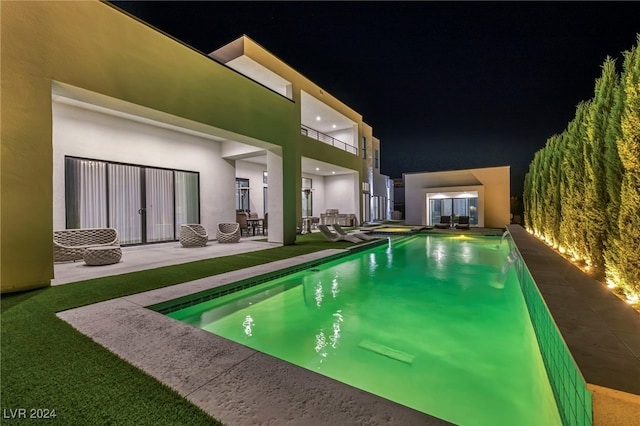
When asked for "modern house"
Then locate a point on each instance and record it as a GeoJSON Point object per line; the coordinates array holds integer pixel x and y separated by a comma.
{"type": "Point", "coordinates": [107, 122]}
{"type": "Point", "coordinates": [482, 194]}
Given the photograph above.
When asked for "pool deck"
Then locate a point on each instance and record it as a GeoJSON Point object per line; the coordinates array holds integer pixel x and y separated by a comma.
{"type": "Point", "coordinates": [241, 386]}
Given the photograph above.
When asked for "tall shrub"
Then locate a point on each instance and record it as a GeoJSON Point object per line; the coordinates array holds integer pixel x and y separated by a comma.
{"type": "Point", "coordinates": [613, 172]}
{"type": "Point", "coordinates": [553, 204]}
{"type": "Point", "coordinates": [629, 151]}
{"type": "Point", "coordinates": [572, 226]}
{"type": "Point", "coordinates": [595, 194]}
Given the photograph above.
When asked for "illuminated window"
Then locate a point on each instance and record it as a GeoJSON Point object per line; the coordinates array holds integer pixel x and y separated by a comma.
{"type": "Point", "coordinates": [364, 147]}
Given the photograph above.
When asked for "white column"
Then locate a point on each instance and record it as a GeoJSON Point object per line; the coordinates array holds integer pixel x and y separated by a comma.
{"type": "Point", "coordinates": [275, 198]}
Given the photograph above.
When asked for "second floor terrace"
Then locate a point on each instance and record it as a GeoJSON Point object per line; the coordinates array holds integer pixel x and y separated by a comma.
{"type": "Point", "coordinates": [321, 122]}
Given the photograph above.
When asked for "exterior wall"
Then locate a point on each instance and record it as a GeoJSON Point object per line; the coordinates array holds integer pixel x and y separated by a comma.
{"type": "Point", "coordinates": [106, 58]}
{"type": "Point", "coordinates": [336, 188]}
{"type": "Point", "coordinates": [307, 147]}
{"type": "Point", "coordinates": [492, 184]}
{"type": "Point", "coordinates": [104, 51]}
{"type": "Point", "coordinates": [83, 133]}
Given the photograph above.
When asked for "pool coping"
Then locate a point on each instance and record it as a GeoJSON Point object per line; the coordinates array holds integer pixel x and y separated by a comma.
{"type": "Point", "coordinates": [233, 383]}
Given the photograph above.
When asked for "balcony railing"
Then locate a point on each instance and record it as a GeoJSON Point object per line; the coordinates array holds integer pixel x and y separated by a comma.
{"type": "Point", "coordinates": [322, 137]}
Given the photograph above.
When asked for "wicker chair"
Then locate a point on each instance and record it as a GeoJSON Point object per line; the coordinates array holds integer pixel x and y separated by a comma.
{"type": "Point", "coordinates": [228, 233]}
{"type": "Point", "coordinates": [193, 235]}
{"type": "Point", "coordinates": [242, 219]}
{"type": "Point", "coordinates": [70, 244]}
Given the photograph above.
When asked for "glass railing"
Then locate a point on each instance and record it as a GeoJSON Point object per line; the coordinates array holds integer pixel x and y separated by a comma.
{"type": "Point", "coordinates": [330, 140]}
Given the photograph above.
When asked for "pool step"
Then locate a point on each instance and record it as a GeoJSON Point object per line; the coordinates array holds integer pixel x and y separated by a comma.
{"type": "Point", "coordinates": [387, 351]}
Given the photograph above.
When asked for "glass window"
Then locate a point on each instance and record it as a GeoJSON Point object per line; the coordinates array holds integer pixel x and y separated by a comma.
{"type": "Point", "coordinates": [376, 160]}
{"type": "Point", "coordinates": [364, 147]}
{"type": "Point", "coordinates": [242, 194]}
{"type": "Point", "coordinates": [307, 197]}
{"type": "Point", "coordinates": [453, 206]}
{"type": "Point", "coordinates": [145, 204]}
{"type": "Point", "coordinates": [187, 194]}
{"type": "Point", "coordinates": [85, 193]}
{"type": "Point", "coordinates": [126, 211]}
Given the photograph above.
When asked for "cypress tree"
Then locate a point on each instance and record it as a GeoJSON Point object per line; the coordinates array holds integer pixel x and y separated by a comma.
{"type": "Point", "coordinates": [596, 121]}
{"type": "Point", "coordinates": [629, 151]}
{"type": "Point", "coordinates": [572, 224]}
{"type": "Point", "coordinates": [613, 172]}
{"type": "Point", "coordinates": [552, 196]}
{"type": "Point", "coordinates": [526, 199]}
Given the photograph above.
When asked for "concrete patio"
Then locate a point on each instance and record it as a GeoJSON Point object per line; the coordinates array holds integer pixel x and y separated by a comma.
{"type": "Point", "coordinates": [137, 258]}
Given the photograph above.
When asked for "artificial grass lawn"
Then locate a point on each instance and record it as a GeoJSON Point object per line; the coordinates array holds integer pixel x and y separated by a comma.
{"type": "Point", "coordinates": [47, 364]}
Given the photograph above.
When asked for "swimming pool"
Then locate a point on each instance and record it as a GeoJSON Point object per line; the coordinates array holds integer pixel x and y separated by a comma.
{"type": "Point", "coordinates": [436, 323]}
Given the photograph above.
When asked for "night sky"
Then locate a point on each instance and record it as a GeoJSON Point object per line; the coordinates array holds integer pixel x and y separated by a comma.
{"type": "Point", "coordinates": [445, 85]}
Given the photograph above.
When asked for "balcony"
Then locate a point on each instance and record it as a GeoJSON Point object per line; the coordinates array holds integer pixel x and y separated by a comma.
{"type": "Point", "coordinates": [329, 140]}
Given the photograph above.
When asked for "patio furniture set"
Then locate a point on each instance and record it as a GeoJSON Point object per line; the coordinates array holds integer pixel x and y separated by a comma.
{"type": "Point", "coordinates": [97, 246]}
{"type": "Point", "coordinates": [250, 222]}
{"type": "Point", "coordinates": [101, 246]}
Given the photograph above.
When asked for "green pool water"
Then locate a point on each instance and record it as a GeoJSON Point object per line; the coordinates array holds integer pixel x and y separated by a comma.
{"type": "Point", "coordinates": [436, 323]}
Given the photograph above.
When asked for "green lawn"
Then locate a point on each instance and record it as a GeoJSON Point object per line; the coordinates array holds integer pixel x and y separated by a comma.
{"type": "Point", "coordinates": [46, 364]}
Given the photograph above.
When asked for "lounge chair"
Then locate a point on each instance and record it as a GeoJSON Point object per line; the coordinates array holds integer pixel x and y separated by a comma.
{"type": "Point", "coordinates": [360, 235]}
{"type": "Point", "coordinates": [333, 237]}
{"type": "Point", "coordinates": [445, 222]}
{"type": "Point", "coordinates": [463, 222]}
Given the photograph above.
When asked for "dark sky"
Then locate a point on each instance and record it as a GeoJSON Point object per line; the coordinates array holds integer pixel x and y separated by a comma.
{"type": "Point", "coordinates": [445, 85]}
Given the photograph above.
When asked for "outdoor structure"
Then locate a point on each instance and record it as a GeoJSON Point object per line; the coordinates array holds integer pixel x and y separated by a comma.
{"type": "Point", "coordinates": [482, 194]}
{"type": "Point", "coordinates": [107, 122]}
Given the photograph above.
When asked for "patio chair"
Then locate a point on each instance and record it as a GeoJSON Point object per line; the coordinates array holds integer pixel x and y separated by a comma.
{"type": "Point", "coordinates": [193, 235]}
{"type": "Point", "coordinates": [228, 233]}
{"type": "Point", "coordinates": [359, 235]}
{"type": "Point", "coordinates": [242, 218]}
{"type": "Point", "coordinates": [445, 222]}
{"type": "Point", "coordinates": [333, 237]}
{"type": "Point", "coordinates": [463, 222]}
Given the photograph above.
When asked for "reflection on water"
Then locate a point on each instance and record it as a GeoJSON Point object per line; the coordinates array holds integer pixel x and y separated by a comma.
{"type": "Point", "coordinates": [321, 343]}
{"type": "Point", "coordinates": [336, 329]}
{"type": "Point", "coordinates": [334, 288]}
{"type": "Point", "coordinates": [248, 325]}
{"type": "Point", "coordinates": [318, 294]}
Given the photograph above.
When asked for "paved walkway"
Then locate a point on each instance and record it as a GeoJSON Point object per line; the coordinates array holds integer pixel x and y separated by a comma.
{"type": "Point", "coordinates": [601, 331]}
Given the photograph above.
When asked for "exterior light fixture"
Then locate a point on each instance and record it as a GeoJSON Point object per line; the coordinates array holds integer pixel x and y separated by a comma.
{"type": "Point", "coordinates": [317, 168]}
{"type": "Point", "coordinates": [334, 126]}
{"type": "Point", "coordinates": [318, 118]}
{"type": "Point", "coordinates": [333, 173]}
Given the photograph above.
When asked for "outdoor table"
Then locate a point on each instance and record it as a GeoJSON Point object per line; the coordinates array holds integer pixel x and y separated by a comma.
{"type": "Point", "coordinates": [254, 223]}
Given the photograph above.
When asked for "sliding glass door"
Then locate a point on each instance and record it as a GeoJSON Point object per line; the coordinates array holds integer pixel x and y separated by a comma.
{"type": "Point", "coordinates": [453, 207]}
{"type": "Point", "coordinates": [125, 206]}
{"type": "Point", "coordinates": [159, 205]}
{"type": "Point", "coordinates": [145, 204]}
